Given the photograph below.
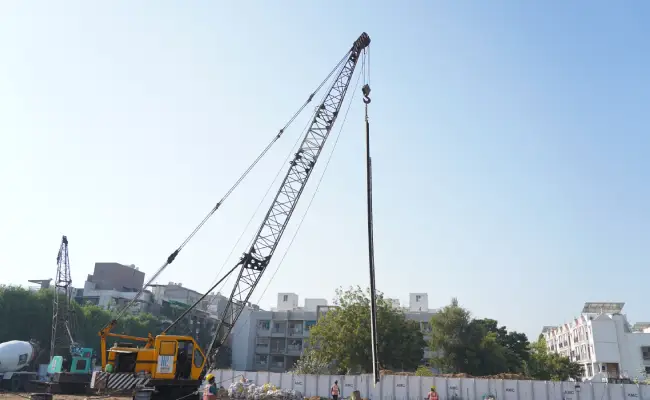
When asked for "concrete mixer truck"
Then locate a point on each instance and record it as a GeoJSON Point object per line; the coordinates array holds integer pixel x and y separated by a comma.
{"type": "Point", "coordinates": [17, 366]}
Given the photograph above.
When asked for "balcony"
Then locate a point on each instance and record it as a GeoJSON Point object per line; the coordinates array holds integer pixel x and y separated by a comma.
{"type": "Point", "coordinates": [279, 330]}
{"type": "Point", "coordinates": [277, 364]}
{"type": "Point", "coordinates": [278, 346]}
{"type": "Point", "coordinates": [296, 330]}
{"type": "Point", "coordinates": [294, 347]}
{"type": "Point", "coordinates": [264, 328]}
{"type": "Point", "coordinates": [261, 362]}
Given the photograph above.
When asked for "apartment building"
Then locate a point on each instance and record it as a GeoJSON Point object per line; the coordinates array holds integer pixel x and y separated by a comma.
{"type": "Point", "coordinates": [602, 340]}
{"type": "Point", "coordinates": [114, 285]}
{"type": "Point", "coordinates": [274, 340]}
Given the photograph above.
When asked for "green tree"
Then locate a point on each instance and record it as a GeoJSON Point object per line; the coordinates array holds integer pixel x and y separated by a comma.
{"type": "Point", "coordinates": [423, 371]}
{"type": "Point", "coordinates": [455, 339]}
{"type": "Point", "coordinates": [342, 336]}
{"type": "Point", "coordinates": [551, 366]}
{"type": "Point", "coordinates": [31, 316]}
{"type": "Point", "coordinates": [515, 345]}
{"type": "Point", "coordinates": [475, 346]}
{"type": "Point", "coordinates": [311, 364]}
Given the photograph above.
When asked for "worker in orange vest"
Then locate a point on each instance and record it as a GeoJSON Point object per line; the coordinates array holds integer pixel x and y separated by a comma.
{"type": "Point", "coordinates": [433, 395]}
{"type": "Point", "coordinates": [210, 390]}
{"type": "Point", "coordinates": [335, 390]}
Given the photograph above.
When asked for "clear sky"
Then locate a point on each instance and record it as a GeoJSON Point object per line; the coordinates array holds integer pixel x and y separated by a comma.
{"type": "Point", "coordinates": [510, 146]}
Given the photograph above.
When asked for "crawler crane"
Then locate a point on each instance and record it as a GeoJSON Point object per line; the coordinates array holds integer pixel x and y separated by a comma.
{"type": "Point", "coordinates": [173, 366]}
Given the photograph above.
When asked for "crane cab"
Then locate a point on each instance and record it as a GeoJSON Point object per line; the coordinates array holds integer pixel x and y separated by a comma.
{"type": "Point", "coordinates": [171, 365]}
{"type": "Point", "coordinates": [171, 358]}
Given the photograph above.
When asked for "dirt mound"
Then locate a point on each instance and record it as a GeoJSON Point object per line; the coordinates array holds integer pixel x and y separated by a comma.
{"type": "Point", "coordinates": [459, 375]}
{"type": "Point", "coordinates": [505, 375]}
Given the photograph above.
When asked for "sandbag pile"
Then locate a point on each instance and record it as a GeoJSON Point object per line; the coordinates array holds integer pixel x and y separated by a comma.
{"type": "Point", "coordinates": [247, 390]}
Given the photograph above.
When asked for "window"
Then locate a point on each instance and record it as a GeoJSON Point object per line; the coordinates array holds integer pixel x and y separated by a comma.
{"type": "Point", "coordinates": [418, 298]}
{"type": "Point", "coordinates": [263, 324]}
{"type": "Point", "coordinates": [309, 324]}
{"type": "Point", "coordinates": [285, 297]}
{"type": "Point", "coordinates": [647, 370]}
{"type": "Point", "coordinates": [167, 348]}
{"type": "Point", "coordinates": [81, 365]}
{"type": "Point", "coordinates": [198, 358]}
{"type": "Point", "coordinates": [645, 352]}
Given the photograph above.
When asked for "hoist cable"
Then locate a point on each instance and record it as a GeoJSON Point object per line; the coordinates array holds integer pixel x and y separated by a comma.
{"type": "Point", "coordinates": [371, 247]}
{"type": "Point", "coordinates": [173, 255]}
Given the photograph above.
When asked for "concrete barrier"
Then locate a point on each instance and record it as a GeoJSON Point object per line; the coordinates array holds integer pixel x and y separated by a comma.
{"type": "Point", "coordinates": [395, 387]}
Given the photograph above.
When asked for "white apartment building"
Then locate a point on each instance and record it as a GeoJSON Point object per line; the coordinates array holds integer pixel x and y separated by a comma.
{"type": "Point", "coordinates": [604, 342]}
{"type": "Point", "coordinates": [274, 340]}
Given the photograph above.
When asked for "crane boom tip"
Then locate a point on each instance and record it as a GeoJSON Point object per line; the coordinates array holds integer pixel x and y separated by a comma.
{"type": "Point", "coordinates": [361, 43]}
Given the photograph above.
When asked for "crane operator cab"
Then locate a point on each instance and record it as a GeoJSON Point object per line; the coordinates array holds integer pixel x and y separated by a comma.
{"type": "Point", "coordinates": [171, 358]}
{"type": "Point", "coordinates": [184, 359]}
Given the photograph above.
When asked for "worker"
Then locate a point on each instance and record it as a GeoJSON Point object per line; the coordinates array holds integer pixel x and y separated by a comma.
{"type": "Point", "coordinates": [210, 390]}
{"type": "Point", "coordinates": [335, 390]}
{"type": "Point", "coordinates": [433, 395]}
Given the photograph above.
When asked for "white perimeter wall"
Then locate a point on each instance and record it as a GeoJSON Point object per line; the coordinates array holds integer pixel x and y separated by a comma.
{"type": "Point", "coordinates": [416, 387]}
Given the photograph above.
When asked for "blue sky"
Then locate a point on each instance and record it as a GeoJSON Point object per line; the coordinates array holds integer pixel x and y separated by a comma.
{"type": "Point", "coordinates": [508, 146]}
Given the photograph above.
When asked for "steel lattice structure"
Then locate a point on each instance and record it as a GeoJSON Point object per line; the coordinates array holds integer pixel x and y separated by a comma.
{"type": "Point", "coordinates": [254, 262]}
{"type": "Point", "coordinates": [61, 319]}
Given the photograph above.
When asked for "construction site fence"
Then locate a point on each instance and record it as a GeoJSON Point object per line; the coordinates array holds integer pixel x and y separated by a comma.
{"type": "Point", "coordinates": [396, 387]}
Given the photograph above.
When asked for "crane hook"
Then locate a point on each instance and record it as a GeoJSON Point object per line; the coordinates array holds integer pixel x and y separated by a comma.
{"type": "Point", "coordinates": [366, 93]}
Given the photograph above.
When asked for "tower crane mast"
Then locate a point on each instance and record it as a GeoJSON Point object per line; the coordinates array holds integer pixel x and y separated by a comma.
{"type": "Point", "coordinates": [253, 263]}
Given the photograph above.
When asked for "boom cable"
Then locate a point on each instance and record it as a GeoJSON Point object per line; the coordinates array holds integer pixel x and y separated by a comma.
{"type": "Point", "coordinates": [302, 219]}
{"type": "Point", "coordinates": [173, 255]}
{"type": "Point", "coordinates": [259, 205]}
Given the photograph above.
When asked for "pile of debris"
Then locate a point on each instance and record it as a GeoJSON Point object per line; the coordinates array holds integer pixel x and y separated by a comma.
{"type": "Point", "coordinates": [506, 375]}
{"type": "Point", "coordinates": [503, 375]}
{"type": "Point", "coordinates": [389, 372]}
{"type": "Point", "coordinates": [247, 390]}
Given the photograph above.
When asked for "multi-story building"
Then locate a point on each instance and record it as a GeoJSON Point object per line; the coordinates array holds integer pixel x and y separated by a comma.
{"type": "Point", "coordinates": [418, 310]}
{"type": "Point", "coordinates": [172, 299]}
{"type": "Point", "coordinates": [113, 285]}
{"type": "Point", "coordinates": [604, 343]}
{"type": "Point", "coordinates": [274, 340]}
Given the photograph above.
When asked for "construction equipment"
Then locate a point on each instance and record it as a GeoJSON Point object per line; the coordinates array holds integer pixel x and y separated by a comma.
{"type": "Point", "coordinates": [61, 302]}
{"type": "Point", "coordinates": [254, 262]}
{"type": "Point", "coordinates": [69, 373]}
{"type": "Point", "coordinates": [17, 364]}
{"type": "Point", "coordinates": [371, 244]}
{"type": "Point", "coordinates": [175, 365]}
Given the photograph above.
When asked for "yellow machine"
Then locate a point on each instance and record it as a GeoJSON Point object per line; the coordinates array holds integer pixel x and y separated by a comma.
{"type": "Point", "coordinates": [169, 363]}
